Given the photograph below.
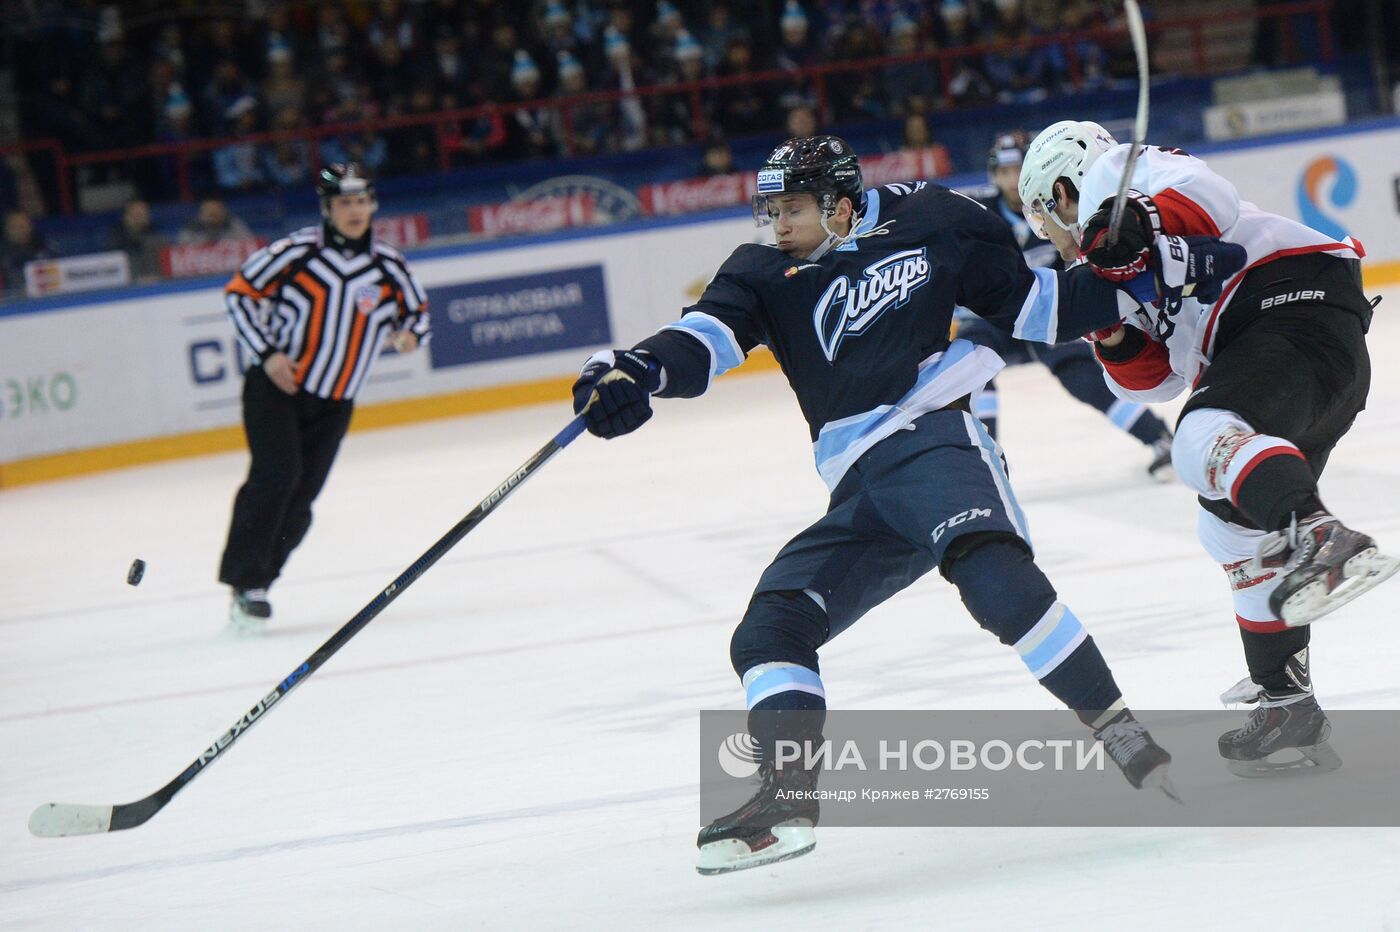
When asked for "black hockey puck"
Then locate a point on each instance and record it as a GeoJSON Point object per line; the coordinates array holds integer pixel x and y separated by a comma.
{"type": "Point", "coordinates": [133, 575]}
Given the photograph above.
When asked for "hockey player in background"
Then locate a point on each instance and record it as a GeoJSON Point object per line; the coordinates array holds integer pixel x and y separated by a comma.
{"type": "Point", "coordinates": [855, 302]}
{"type": "Point", "coordinates": [1276, 367]}
{"type": "Point", "coordinates": [1072, 364]}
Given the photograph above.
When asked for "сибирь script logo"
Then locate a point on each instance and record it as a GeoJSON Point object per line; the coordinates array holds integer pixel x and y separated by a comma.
{"type": "Point", "coordinates": [848, 308]}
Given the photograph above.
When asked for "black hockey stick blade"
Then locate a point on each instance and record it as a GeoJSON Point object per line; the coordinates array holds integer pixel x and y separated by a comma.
{"type": "Point", "coordinates": [55, 820]}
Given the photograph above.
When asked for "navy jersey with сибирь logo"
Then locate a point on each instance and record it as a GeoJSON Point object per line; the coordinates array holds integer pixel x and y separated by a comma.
{"type": "Point", "coordinates": [862, 333]}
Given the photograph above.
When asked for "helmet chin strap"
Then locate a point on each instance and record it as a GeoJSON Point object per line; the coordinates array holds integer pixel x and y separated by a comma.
{"type": "Point", "coordinates": [1071, 228]}
{"type": "Point", "coordinates": [833, 239]}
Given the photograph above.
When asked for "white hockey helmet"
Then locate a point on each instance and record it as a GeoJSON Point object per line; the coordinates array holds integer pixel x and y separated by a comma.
{"type": "Point", "coordinates": [1064, 150]}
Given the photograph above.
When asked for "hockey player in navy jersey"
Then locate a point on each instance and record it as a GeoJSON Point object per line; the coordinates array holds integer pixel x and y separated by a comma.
{"type": "Point", "coordinates": [1274, 361]}
{"type": "Point", "coordinates": [855, 302]}
{"type": "Point", "coordinates": [1072, 364]}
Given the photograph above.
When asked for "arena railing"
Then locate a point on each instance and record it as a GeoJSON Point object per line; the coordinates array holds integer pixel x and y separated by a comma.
{"type": "Point", "coordinates": [446, 125]}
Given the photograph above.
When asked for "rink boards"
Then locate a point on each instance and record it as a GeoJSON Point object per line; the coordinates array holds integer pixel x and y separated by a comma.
{"type": "Point", "coordinates": [154, 373]}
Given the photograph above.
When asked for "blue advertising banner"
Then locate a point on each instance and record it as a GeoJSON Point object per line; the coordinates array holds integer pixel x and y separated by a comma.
{"type": "Point", "coordinates": [518, 316]}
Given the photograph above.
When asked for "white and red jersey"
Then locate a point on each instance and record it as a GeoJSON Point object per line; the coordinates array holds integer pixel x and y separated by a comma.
{"type": "Point", "coordinates": [1192, 201]}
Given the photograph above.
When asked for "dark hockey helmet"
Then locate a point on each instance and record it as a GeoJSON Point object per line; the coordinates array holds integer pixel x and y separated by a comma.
{"type": "Point", "coordinates": [342, 178]}
{"type": "Point", "coordinates": [1008, 149]}
{"type": "Point", "coordinates": [821, 165]}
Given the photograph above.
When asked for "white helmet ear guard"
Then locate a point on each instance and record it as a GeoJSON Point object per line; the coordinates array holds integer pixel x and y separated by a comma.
{"type": "Point", "coordinates": [1063, 150]}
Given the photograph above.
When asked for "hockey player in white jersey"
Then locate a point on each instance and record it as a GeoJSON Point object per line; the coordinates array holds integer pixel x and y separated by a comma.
{"type": "Point", "coordinates": [1274, 359]}
{"type": "Point", "coordinates": [1072, 364]}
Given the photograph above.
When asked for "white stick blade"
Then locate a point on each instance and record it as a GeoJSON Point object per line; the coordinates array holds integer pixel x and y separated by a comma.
{"type": "Point", "coordinates": [55, 820]}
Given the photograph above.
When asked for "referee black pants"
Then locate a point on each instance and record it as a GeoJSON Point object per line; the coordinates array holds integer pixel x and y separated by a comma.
{"type": "Point", "coordinates": [293, 440]}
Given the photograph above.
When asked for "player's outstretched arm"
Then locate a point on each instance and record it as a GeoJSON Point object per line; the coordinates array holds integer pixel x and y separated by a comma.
{"type": "Point", "coordinates": [681, 359]}
{"type": "Point", "coordinates": [1040, 305]}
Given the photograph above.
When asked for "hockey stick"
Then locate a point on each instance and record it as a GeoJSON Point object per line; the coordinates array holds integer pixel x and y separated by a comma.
{"type": "Point", "coordinates": [52, 820]}
{"type": "Point", "coordinates": [1138, 33]}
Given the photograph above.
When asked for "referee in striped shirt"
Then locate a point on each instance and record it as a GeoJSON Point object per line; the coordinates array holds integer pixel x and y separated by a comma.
{"type": "Point", "coordinates": [314, 309]}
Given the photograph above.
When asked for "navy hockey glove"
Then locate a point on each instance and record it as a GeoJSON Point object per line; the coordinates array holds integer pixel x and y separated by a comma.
{"type": "Point", "coordinates": [1185, 267]}
{"type": "Point", "coordinates": [620, 385]}
{"type": "Point", "coordinates": [1198, 266]}
{"type": "Point", "coordinates": [1131, 255]}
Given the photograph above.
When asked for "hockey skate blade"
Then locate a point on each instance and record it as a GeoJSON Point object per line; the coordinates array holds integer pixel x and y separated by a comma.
{"type": "Point", "coordinates": [725, 857]}
{"type": "Point", "coordinates": [1363, 572]}
{"type": "Point", "coordinates": [1317, 759]}
{"type": "Point", "coordinates": [245, 626]}
{"type": "Point", "coordinates": [57, 820]}
{"type": "Point", "coordinates": [1159, 780]}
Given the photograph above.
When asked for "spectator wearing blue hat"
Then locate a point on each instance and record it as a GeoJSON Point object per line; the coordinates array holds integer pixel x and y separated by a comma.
{"type": "Point", "coordinates": [557, 30]}
{"type": "Point", "coordinates": [662, 36]}
{"type": "Point", "coordinates": [626, 72]}
{"type": "Point", "coordinates": [795, 50]}
{"type": "Point", "coordinates": [669, 23]}
{"type": "Point", "coordinates": [588, 129]}
{"type": "Point", "coordinates": [675, 119]}
{"type": "Point", "coordinates": [528, 129]}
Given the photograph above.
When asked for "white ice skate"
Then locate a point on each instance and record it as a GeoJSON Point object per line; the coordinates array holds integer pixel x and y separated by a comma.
{"type": "Point", "coordinates": [1328, 565]}
{"type": "Point", "coordinates": [780, 843]}
{"type": "Point", "coordinates": [772, 826]}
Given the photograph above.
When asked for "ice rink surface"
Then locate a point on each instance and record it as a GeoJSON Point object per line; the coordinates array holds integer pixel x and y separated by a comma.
{"type": "Point", "coordinates": [513, 743]}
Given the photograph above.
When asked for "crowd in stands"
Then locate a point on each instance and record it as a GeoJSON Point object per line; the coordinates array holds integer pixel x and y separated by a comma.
{"type": "Point", "coordinates": [145, 71]}
{"type": "Point", "coordinates": [97, 75]}
{"type": "Point", "coordinates": [134, 233]}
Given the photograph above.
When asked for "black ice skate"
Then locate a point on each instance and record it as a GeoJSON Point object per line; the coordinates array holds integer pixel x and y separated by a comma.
{"type": "Point", "coordinates": [1328, 565]}
{"type": "Point", "coordinates": [249, 611]}
{"type": "Point", "coordinates": [1161, 466]}
{"type": "Point", "coordinates": [1143, 761]}
{"type": "Point", "coordinates": [766, 829]}
{"type": "Point", "coordinates": [1289, 723]}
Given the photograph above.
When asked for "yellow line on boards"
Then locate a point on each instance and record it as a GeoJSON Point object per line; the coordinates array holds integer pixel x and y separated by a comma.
{"type": "Point", "coordinates": [374, 416]}
{"type": "Point", "coordinates": [367, 417]}
{"type": "Point", "coordinates": [379, 415]}
{"type": "Point", "coordinates": [1380, 274]}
